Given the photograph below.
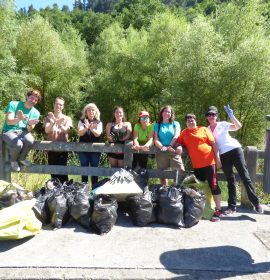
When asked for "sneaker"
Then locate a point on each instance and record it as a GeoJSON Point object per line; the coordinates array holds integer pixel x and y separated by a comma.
{"type": "Point", "coordinates": [229, 211]}
{"type": "Point", "coordinates": [15, 166]}
{"type": "Point", "coordinates": [259, 209]}
{"type": "Point", "coordinates": [26, 162]}
{"type": "Point", "coordinates": [216, 216]}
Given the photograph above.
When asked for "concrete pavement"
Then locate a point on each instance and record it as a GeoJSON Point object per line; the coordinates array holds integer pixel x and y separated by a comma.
{"type": "Point", "coordinates": [238, 247]}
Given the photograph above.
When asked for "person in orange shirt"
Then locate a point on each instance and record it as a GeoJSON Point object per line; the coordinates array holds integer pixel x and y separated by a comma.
{"type": "Point", "coordinates": [204, 156]}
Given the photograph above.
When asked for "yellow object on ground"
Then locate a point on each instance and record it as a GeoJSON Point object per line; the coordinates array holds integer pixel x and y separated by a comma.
{"type": "Point", "coordinates": [192, 181]}
{"type": "Point", "coordinates": [19, 221]}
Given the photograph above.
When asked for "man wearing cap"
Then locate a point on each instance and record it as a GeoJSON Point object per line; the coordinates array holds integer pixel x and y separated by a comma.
{"type": "Point", "coordinates": [142, 139]}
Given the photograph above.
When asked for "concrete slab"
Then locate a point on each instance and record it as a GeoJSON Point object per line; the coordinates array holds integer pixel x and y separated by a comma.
{"type": "Point", "coordinates": [235, 248]}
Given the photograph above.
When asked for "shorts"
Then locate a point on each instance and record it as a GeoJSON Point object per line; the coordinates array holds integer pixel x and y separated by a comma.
{"type": "Point", "coordinates": [166, 161]}
{"type": "Point", "coordinates": [119, 156]}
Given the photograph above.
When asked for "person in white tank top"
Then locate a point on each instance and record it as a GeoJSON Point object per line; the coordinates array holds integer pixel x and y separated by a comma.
{"type": "Point", "coordinates": [231, 155]}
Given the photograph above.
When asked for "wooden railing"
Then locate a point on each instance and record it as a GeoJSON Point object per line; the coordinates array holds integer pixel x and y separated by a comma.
{"type": "Point", "coordinates": [251, 153]}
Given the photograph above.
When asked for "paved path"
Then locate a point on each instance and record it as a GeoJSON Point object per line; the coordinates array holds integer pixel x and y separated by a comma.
{"type": "Point", "coordinates": [238, 247]}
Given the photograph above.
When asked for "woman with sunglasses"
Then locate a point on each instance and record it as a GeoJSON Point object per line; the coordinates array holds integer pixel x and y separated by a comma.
{"type": "Point", "coordinates": [142, 139]}
{"type": "Point", "coordinates": [231, 155]}
{"type": "Point", "coordinates": [166, 132]}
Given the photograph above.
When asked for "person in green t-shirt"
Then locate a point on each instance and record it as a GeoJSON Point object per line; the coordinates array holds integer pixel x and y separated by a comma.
{"type": "Point", "coordinates": [21, 118]}
{"type": "Point", "coordinates": [142, 139]}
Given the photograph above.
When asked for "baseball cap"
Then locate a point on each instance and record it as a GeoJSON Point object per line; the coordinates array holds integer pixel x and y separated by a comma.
{"type": "Point", "coordinates": [212, 110]}
{"type": "Point", "coordinates": [143, 113]}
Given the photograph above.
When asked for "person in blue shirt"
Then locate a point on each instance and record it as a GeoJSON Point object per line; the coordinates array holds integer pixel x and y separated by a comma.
{"type": "Point", "coordinates": [166, 132]}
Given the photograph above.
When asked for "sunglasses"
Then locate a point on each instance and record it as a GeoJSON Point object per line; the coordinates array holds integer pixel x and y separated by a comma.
{"type": "Point", "coordinates": [211, 115]}
{"type": "Point", "coordinates": [144, 118]}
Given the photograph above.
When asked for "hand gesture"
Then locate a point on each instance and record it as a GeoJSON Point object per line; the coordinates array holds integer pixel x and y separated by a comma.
{"type": "Point", "coordinates": [229, 111]}
{"type": "Point", "coordinates": [179, 150]}
{"type": "Point", "coordinates": [33, 121]}
{"type": "Point", "coordinates": [21, 116]}
{"type": "Point", "coordinates": [86, 124]}
{"type": "Point", "coordinates": [51, 118]}
{"type": "Point", "coordinates": [136, 147]}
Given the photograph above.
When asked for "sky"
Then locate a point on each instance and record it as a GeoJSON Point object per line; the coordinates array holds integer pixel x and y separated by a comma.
{"type": "Point", "coordinates": [43, 3]}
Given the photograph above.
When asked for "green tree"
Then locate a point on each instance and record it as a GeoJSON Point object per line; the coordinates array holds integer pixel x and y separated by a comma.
{"type": "Point", "coordinates": [54, 65]}
{"type": "Point", "coordinates": [12, 84]}
{"type": "Point", "coordinates": [138, 13]}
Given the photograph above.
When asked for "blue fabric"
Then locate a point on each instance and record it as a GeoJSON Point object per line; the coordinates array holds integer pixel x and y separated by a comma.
{"type": "Point", "coordinates": [91, 159]}
{"type": "Point", "coordinates": [166, 131]}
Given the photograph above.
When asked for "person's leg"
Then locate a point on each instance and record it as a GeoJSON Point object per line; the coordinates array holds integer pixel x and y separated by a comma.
{"type": "Point", "coordinates": [113, 162]}
{"type": "Point", "coordinates": [28, 141]}
{"type": "Point", "coordinates": [209, 173]}
{"type": "Point", "coordinates": [120, 163]}
{"type": "Point", "coordinates": [84, 158]}
{"type": "Point", "coordinates": [176, 163]}
{"type": "Point", "coordinates": [227, 167]}
{"type": "Point", "coordinates": [94, 161]}
{"type": "Point", "coordinates": [63, 158]}
{"type": "Point", "coordinates": [135, 160]}
{"type": "Point", "coordinates": [142, 160]}
{"type": "Point", "coordinates": [163, 163]}
{"type": "Point", "coordinates": [211, 177]}
{"type": "Point", "coordinates": [58, 158]}
{"type": "Point", "coordinates": [241, 167]}
{"type": "Point", "coordinates": [14, 144]}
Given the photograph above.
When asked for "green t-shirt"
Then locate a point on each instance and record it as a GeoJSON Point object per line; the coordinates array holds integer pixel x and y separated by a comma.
{"type": "Point", "coordinates": [14, 107]}
{"type": "Point", "coordinates": [143, 134]}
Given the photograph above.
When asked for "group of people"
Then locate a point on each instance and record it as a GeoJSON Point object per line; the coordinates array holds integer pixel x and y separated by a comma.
{"type": "Point", "coordinates": [209, 148]}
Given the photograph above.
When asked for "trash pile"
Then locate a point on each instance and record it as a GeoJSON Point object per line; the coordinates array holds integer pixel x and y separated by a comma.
{"type": "Point", "coordinates": [55, 203]}
{"type": "Point", "coordinates": [17, 219]}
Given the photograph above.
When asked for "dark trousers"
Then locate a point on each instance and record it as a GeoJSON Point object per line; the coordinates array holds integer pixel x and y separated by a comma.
{"type": "Point", "coordinates": [92, 159]}
{"type": "Point", "coordinates": [235, 158]}
{"type": "Point", "coordinates": [141, 160]}
{"type": "Point", "coordinates": [58, 158]}
{"type": "Point", "coordinates": [208, 173]}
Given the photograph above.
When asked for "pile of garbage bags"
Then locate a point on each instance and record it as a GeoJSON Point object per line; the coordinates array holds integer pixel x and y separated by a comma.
{"type": "Point", "coordinates": [55, 203]}
{"type": "Point", "coordinates": [17, 219]}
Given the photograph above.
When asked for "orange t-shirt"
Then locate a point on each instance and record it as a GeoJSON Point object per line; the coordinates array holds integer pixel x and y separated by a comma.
{"type": "Point", "coordinates": [198, 142]}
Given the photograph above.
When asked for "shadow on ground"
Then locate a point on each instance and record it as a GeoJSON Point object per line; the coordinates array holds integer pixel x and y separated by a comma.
{"type": "Point", "coordinates": [228, 261]}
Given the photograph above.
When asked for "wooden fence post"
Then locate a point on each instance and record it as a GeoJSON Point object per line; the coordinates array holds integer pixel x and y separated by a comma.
{"type": "Point", "coordinates": [4, 156]}
{"type": "Point", "coordinates": [251, 155]}
{"type": "Point", "coordinates": [128, 154]}
{"type": "Point", "coordinates": [266, 171]}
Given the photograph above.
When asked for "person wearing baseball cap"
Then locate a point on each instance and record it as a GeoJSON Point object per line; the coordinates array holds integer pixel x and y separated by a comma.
{"type": "Point", "coordinates": [231, 155]}
{"type": "Point", "coordinates": [142, 139]}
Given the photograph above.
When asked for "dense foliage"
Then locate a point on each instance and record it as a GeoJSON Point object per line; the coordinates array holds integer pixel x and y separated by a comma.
{"type": "Point", "coordinates": [142, 55]}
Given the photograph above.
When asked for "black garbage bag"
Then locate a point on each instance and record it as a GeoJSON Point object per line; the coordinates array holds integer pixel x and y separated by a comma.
{"type": "Point", "coordinates": [104, 213]}
{"type": "Point", "coordinates": [154, 189]}
{"type": "Point", "coordinates": [13, 194]}
{"type": "Point", "coordinates": [58, 209]}
{"type": "Point", "coordinates": [194, 203]}
{"type": "Point", "coordinates": [78, 203]}
{"type": "Point", "coordinates": [140, 177]}
{"type": "Point", "coordinates": [170, 209]}
{"type": "Point", "coordinates": [141, 208]}
{"type": "Point", "coordinates": [40, 208]}
{"type": "Point", "coordinates": [8, 198]}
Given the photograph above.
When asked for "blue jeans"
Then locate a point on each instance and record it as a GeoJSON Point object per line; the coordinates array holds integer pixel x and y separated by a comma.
{"type": "Point", "coordinates": [87, 158]}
